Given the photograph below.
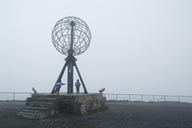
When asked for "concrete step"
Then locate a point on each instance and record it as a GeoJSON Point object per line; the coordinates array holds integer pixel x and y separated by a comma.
{"type": "Point", "coordinates": [32, 115]}
{"type": "Point", "coordinates": [42, 104]}
{"type": "Point", "coordinates": [66, 100]}
{"type": "Point", "coordinates": [32, 111]}
{"type": "Point", "coordinates": [36, 108]}
{"type": "Point", "coordinates": [40, 95]}
{"type": "Point", "coordinates": [66, 97]}
{"type": "Point", "coordinates": [44, 99]}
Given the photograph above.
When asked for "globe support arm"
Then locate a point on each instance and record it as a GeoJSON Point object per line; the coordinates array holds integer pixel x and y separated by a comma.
{"type": "Point", "coordinates": [60, 77]}
{"type": "Point", "coordinates": [85, 90]}
{"type": "Point", "coordinates": [70, 60]}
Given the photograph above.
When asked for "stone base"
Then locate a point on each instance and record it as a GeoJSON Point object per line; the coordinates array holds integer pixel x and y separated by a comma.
{"type": "Point", "coordinates": [43, 105]}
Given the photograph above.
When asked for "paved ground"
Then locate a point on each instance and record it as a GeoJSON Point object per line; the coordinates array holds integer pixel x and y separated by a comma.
{"type": "Point", "coordinates": [119, 115]}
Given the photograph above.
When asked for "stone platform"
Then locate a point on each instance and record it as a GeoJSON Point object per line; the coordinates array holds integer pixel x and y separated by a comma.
{"type": "Point", "coordinates": [43, 105]}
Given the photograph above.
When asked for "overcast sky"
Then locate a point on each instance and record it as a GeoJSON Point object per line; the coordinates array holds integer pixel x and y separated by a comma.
{"type": "Point", "coordinates": [138, 46]}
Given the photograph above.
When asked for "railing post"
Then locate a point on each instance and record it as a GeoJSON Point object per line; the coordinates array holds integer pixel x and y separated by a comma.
{"type": "Point", "coordinates": [178, 98]}
{"type": "Point", "coordinates": [13, 96]}
{"type": "Point", "coordinates": [116, 97]}
{"type": "Point", "coordinates": [129, 97]}
{"type": "Point", "coordinates": [153, 98]}
{"type": "Point", "coordinates": [141, 97]}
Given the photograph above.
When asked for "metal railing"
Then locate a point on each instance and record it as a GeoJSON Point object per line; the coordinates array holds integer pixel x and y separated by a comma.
{"type": "Point", "coordinates": [12, 96]}
{"type": "Point", "coordinates": [147, 98]}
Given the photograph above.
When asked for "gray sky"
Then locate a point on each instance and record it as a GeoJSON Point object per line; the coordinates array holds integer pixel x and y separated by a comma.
{"type": "Point", "coordinates": [138, 46]}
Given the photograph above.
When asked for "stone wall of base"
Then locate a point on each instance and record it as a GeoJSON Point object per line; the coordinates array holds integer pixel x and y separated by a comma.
{"type": "Point", "coordinates": [80, 104]}
{"type": "Point", "coordinates": [44, 105]}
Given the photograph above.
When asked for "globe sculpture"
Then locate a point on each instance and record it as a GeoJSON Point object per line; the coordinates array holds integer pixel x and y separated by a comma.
{"type": "Point", "coordinates": [70, 36]}
{"type": "Point", "coordinates": [65, 39]}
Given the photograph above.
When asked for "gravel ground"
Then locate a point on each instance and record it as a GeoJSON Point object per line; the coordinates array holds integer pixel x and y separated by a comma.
{"type": "Point", "coordinates": [119, 115]}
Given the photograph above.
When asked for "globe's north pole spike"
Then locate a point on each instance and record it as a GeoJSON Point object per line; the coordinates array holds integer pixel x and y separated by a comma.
{"type": "Point", "coordinates": [72, 24]}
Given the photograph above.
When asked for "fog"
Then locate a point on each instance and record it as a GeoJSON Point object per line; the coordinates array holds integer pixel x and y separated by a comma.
{"type": "Point", "coordinates": [137, 46]}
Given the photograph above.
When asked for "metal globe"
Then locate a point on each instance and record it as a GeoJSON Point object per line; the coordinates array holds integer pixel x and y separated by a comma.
{"type": "Point", "coordinates": [62, 40]}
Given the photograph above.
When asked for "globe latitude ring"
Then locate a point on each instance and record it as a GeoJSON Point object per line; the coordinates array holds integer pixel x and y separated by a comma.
{"type": "Point", "coordinates": [61, 36]}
